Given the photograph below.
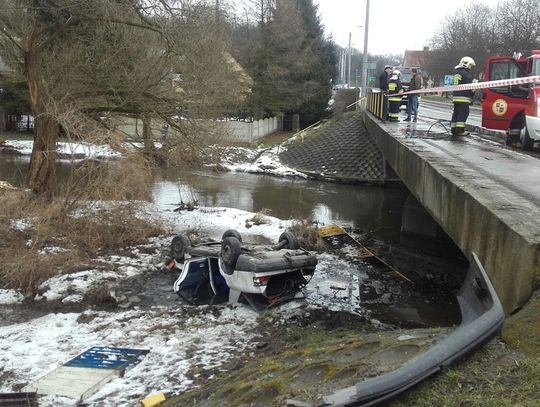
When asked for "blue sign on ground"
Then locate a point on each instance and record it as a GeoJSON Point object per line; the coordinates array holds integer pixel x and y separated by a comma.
{"type": "Point", "coordinates": [103, 357]}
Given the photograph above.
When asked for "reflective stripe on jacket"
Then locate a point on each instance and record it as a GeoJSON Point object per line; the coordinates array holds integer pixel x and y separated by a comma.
{"type": "Point", "coordinates": [462, 76]}
{"type": "Point", "coordinates": [394, 87]}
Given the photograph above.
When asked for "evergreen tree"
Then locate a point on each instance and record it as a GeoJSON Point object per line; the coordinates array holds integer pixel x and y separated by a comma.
{"type": "Point", "coordinates": [289, 59]}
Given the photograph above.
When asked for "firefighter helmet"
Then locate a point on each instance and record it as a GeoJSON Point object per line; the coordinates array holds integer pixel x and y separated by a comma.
{"type": "Point", "coordinates": [396, 72]}
{"type": "Point", "coordinates": [387, 67]}
{"type": "Point", "coordinates": [467, 62]}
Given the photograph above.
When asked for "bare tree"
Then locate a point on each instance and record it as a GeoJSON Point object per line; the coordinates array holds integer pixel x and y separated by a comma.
{"type": "Point", "coordinates": [517, 26]}
{"type": "Point", "coordinates": [479, 31]}
{"type": "Point", "coordinates": [153, 58]}
{"type": "Point", "coordinates": [469, 32]}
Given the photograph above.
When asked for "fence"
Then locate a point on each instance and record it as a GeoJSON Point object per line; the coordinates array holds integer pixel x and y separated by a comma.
{"type": "Point", "coordinates": [245, 131]}
{"type": "Point", "coordinates": [18, 123]}
{"type": "Point", "coordinates": [231, 130]}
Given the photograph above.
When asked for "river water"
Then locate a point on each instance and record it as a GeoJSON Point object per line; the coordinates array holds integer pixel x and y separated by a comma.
{"type": "Point", "coordinates": [372, 209]}
{"type": "Point", "coordinates": [369, 209]}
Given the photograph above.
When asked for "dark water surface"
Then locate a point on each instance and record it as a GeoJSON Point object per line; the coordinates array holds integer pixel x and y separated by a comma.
{"type": "Point", "coordinates": [369, 208]}
{"type": "Point", "coordinates": [373, 209]}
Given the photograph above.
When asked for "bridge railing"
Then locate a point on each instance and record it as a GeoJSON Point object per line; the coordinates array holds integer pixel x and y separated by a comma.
{"type": "Point", "coordinates": [376, 104]}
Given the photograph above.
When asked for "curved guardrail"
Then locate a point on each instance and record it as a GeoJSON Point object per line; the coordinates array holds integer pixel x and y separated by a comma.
{"type": "Point", "coordinates": [482, 317]}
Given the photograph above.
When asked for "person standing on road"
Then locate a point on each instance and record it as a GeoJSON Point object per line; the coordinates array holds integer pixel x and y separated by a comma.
{"type": "Point", "coordinates": [385, 76]}
{"type": "Point", "coordinates": [412, 100]}
{"type": "Point", "coordinates": [462, 99]}
{"type": "Point", "coordinates": [383, 85]}
{"type": "Point", "coordinates": [394, 97]}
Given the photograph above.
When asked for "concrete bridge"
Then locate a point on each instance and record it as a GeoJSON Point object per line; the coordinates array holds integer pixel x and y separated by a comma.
{"type": "Point", "coordinates": [484, 196]}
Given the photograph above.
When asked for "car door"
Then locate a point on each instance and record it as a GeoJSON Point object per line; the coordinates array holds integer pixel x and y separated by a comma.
{"type": "Point", "coordinates": [500, 105]}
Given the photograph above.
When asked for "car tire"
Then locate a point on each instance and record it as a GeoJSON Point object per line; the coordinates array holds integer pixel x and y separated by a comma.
{"type": "Point", "coordinates": [527, 142]}
{"type": "Point", "coordinates": [230, 251]}
{"type": "Point", "coordinates": [180, 246]}
{"type": "Point", "coordinates": [290, 238]}
{"type": "Point", "coordinates": [231, 233]}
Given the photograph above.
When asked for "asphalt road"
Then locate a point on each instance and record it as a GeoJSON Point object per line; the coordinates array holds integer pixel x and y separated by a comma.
{"type": "Point", "coordinates": [443, 111]}
{"type": "Point", "coordinates": [429, 110]}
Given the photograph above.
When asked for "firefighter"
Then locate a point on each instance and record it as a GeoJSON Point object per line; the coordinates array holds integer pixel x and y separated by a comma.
{"type": "Point", "coordinates": [394, 97]}
{"type": "Point", "coordinates": [462, 99]}
{"type": "Point", "coordinates": [383, 84]}
{"type": "Point", "coordinates": [383, 79]}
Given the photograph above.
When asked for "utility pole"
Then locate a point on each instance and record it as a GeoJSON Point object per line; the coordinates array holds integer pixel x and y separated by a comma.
{"type": "Point", "coordinates": [343, 65]}
{"type": "Point", "coordinates": [340, 67]}
{"type": "Point", "coordinates": [363, 79]}
{"type": "Point", "coordinates": [349, 74]}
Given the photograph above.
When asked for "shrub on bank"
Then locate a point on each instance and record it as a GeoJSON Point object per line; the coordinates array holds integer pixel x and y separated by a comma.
{"type": "Point", "coordinates": [42, 238]}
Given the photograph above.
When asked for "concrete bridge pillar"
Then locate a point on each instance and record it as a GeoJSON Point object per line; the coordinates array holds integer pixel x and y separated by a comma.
{"type": "Point", "coordinates": [419, 229]}
{"type": "Point", "coordinates": [417, 221]}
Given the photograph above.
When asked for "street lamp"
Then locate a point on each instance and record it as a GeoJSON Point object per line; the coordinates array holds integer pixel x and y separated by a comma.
{"type": "Point", "coordinates": [349, 74]}
{"type": "Point", "coordinates": [363, 78]}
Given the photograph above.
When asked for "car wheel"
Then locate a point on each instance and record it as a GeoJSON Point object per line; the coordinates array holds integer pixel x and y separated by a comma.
{"type": "Point", "coordinates": [231, 233]}
{"type": "Point", "coordinates": [290, 238]}
{"type": "Point", "coordinates": [230, 251]}
{"type": "Point", "coordinates": [527, 142]}
{"type": "Point", "coordinates": [180, 246]}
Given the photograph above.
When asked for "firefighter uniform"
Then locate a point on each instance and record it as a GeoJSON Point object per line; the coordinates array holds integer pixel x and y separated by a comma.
{"type": "Point", "coordinates": [394, 97]}
{"type": "Point", "coordinates": [462, 99]}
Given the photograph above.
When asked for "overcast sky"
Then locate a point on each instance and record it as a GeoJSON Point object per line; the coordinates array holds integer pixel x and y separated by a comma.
{"type": "Point", "coordinates": [394, 25]}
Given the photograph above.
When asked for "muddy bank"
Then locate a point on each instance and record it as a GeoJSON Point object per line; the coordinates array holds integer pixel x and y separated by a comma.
{"type": "Point", "coordinates": [307, 355]}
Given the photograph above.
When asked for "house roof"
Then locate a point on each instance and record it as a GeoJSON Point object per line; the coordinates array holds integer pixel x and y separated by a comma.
{"type": "Point", "coordinates": [414, 58]}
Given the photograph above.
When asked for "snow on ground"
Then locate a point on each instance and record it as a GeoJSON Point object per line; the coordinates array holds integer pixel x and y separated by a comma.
{"type": "Point", "coordinates": [78, 150]}
{"type": "Point", "coordinates": [212, 222]}
{"type": "Point", "coordinates": [177, 343]}
{"type": "Point", "coordinates": [266, 161]}
{"type": "Point", "coordinates": [261, 160]}
{"type": "Point", "coordinates": [182, 339]}
{"type": "Point", "coordinates": [10, 297]}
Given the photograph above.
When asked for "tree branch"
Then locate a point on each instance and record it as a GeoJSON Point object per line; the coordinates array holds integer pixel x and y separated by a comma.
{"type": "Point", "coordinates": [13, 41]}
{"type": "Point", "coordinates": [69, 22]}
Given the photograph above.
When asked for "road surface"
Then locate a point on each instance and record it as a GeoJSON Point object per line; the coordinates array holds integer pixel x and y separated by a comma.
{"type": "Point", "coordinates": [439, 110]}
{"type": "Point", "coordinates": [429, 110]}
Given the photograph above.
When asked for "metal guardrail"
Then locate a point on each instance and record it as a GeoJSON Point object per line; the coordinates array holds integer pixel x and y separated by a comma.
{"type": "Point", "coordinates": [482, 316]}
{"type": "Point", "coordinates": [376, 104]}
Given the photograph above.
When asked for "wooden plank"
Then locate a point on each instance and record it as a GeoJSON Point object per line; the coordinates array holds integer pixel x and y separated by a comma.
{"type": "Point", "coordinates": [331, 230]}
{"type": "Point", "coordinates": [74, 382]}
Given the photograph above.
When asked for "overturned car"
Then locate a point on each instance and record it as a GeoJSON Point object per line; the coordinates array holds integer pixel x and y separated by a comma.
{"type": "Point", "coordinates": [260, 275]}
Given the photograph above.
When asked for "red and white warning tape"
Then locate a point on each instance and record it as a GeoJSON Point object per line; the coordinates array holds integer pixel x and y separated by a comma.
{"type": "Point", "coordinates": [477, 85]}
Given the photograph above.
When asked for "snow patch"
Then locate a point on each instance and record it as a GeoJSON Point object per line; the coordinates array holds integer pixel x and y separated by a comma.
{"type": "Point", "coordinates": [10, 296]}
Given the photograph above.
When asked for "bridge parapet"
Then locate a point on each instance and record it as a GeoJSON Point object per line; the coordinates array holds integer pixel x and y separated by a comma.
{"type": "Point", "coordinates": [375, 103]}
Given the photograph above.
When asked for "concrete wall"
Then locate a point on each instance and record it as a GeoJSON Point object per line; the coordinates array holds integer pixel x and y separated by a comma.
{"type": "Point", "coordinates": [232, 130]}
{"type": "Point", "coordinates": [499, 227]}
{"type": "Point", "coordinates": [250, 131]}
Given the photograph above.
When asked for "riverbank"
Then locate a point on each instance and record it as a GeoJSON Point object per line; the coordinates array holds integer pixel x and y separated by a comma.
{"type": "Point", "coordinates": [216, 347]}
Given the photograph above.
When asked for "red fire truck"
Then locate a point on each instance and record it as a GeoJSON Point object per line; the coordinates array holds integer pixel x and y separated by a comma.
{"type": "Point", "coordinates": [516, 108]}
